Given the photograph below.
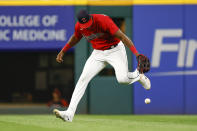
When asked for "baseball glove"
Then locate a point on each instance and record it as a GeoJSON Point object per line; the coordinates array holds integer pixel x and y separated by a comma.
{"type": "Point", "coordinates": [143, 63]}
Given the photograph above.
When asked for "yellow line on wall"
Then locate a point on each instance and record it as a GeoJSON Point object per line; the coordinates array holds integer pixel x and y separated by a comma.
{"type": "Point", "coordinates": [141, 2]}
{"type": "Point", "coordinates": [42, 2]}
{"type": "Point", "coordinates": [94, 2]}
{"type": "Point", "coordinates": [163, 2]}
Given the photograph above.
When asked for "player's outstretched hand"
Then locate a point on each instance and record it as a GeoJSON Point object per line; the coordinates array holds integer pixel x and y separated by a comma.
{"type": "Point", "coordinates": [59, 58]}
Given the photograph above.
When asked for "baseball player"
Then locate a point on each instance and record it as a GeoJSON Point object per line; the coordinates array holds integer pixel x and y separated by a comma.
{"type": "Point", "coordinates": [108, 42]}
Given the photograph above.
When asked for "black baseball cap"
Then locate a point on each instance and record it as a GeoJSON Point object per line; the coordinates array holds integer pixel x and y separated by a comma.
{"type": "Point", "coordinates": [84, 19]}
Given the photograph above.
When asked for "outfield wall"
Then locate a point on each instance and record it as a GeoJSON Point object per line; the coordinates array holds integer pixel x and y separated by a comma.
{"type": "Point", "coordinates": [164, 30]}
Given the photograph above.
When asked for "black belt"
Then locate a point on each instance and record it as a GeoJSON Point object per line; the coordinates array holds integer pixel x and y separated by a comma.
{"type": "Point", "coordinates": [111, 47]}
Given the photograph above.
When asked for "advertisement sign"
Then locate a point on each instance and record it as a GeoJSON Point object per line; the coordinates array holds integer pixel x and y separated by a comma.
{"type": "Point", "coordinates": [35, 27]}
{"type": "Point", "coordinates": [167, 35]}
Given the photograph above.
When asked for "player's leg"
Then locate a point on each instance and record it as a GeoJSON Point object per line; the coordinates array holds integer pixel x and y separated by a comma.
{"type": "Point", "coordinates": [91, 68]}
{"type": "Point", "coordinates": [118, 59]}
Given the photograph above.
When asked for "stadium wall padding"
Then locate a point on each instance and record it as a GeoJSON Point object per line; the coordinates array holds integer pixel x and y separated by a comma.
{"type": "Point", "coordinates": [167, 35]}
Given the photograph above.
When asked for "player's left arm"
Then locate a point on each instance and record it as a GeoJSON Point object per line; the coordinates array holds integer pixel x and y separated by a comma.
{"type": "Point", "coordinates": [109, 26]}
{"type": "Point", "coordinates": [143, 61]}
{"type": "Point", "coordinates": [120, 35]}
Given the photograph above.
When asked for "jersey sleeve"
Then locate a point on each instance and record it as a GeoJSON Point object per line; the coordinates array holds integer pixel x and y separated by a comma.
{"type": "Point", "coordinates": [77, 32]}
{"type": "Point", "coordinates": [109, 26]}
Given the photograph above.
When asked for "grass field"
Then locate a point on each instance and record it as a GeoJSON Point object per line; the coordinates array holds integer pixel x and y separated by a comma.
{"type": "Point", "coordinates": [99, 123]}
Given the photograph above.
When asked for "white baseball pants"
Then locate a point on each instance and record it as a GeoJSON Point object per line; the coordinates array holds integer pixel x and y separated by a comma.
{"type": "Point", "coordinates": [116, 57]}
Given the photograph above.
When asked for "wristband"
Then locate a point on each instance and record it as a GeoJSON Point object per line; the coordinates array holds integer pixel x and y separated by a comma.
{"type": "Point", "coordinates": [133, 49]}
{"type": "Point", "coordinates": [66, 47]}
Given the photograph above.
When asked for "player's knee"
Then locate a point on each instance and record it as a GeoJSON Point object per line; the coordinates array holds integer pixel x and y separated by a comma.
{"type": "Point", "coordinates": [83, 78]}
{"type": "Point", "coordinates": [123, 80]}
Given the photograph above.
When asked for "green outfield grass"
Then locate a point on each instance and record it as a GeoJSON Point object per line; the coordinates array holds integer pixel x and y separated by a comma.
{"type": "Point", "coordinates": [99, 123]}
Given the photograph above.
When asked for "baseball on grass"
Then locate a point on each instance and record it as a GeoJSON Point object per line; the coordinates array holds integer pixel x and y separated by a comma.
{"type": "Point", "coordinates": [147, 100]}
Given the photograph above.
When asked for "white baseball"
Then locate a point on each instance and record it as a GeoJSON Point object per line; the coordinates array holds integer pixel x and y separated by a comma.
{"type": "Point", "coordinates": [147, 100]}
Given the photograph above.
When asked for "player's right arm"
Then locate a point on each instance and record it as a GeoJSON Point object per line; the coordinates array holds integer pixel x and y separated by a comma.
{"type": "Point", "coordinates": [72, 42]}
{"type": "Point", "coordinates": [74, 39]}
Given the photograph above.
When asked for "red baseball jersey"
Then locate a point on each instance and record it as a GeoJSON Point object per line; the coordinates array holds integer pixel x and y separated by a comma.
{"type": "Point", "coordinates": [100, 34]}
